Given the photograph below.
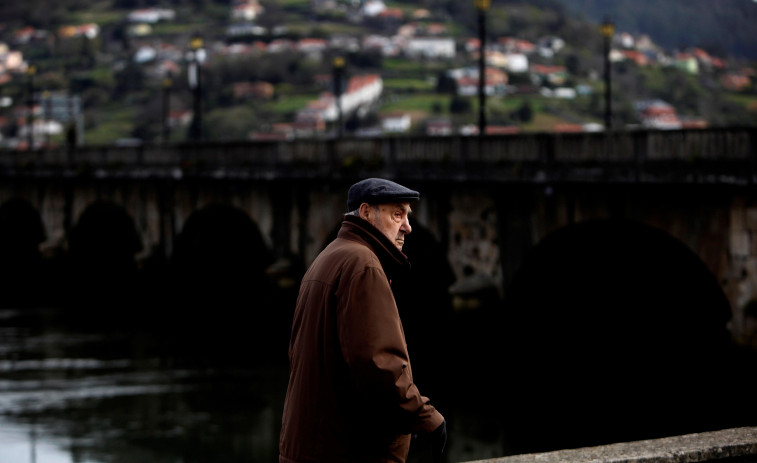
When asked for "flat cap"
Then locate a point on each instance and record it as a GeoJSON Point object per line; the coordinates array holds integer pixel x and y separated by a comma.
{"type": "Point", "coordinates": [377, 191]}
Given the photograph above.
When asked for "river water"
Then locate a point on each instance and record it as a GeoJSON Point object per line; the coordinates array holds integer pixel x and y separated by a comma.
{"type": "Point", "coordinates": [74, 390]}
{"type": "Point", "coordinates": [109, 383]}
{"type": "Point", "coordinates": [70, 393]}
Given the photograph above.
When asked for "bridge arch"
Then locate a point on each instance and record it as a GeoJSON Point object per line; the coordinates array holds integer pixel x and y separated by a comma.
{"type": "Point", "coordinates": [21, 265]}
{"type": "Point", "coordinates": [611, 327]}
{"type": "Point", "coordinates": [219, 301]}
{"type": "Point", "coordinates": [101, 256]}
{"type": "Point", "coordinates": [220, 254]}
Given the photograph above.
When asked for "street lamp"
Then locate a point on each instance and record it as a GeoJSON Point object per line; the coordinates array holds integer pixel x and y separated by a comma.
{"type": "Point", "coordinates": [482, 6]}
{"type": "Point", "coordinates": [607, 29]}
{"type": "Point", "coordinates": [167, 84]}
{"type": "Point", "coordinates": [30, 71]}
{"type": "Point", "coordinates": [195, 57]}
{"type": "Point", "coordinates": [338, 69]}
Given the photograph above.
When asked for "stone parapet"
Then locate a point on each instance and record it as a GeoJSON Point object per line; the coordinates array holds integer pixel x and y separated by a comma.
{"type": "Point", "coordinates": [731, 445]}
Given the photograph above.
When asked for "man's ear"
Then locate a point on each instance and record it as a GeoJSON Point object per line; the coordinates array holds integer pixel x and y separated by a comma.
{"type": "Point", "coordinates": [365, 211]}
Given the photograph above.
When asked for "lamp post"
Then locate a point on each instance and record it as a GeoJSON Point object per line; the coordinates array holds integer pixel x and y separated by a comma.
{"type": "Point", "coordinates": [196, 57]}
{"type": "Point", "coordinates": [46, 116]}
{"type": "Point", "coordinates": [30, 71]}
{"type": "Point", "coordinates": [338, 69]}
{"type": "Point", "coordinates": [482, 6]}
{"type": "Point", "coordinates": [607, 29]}
{"type": "Point", "coordinates": [167, 84]}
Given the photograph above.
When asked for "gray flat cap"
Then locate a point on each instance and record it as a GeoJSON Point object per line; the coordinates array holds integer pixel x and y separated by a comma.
{"type": "Point", "coordinates": [377, 191]}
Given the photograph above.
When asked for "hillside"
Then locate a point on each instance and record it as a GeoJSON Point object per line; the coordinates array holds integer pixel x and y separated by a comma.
{"type": "Point", "coordinates": [259, 82]}
{"type": "Point", "coordinates": [723, 27]}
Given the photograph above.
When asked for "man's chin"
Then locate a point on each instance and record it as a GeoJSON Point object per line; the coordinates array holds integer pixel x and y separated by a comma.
{"type": "Point", "coordinates": [399, 244]}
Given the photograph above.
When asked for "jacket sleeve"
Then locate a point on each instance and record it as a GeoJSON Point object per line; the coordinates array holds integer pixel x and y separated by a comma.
{"type": "Point", "coordinates": [373, 345]}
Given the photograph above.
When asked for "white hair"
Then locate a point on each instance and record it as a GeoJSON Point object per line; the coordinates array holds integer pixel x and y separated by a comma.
{"type": "Point", "coordinates": [356, 212]}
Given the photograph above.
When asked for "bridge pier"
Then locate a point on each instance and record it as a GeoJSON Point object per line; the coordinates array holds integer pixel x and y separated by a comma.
{"type": "Point", "coordinates": [484, 228]}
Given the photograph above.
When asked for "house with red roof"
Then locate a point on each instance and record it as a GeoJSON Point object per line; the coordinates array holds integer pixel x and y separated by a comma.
{"type": "Point", "coordinates": [515, 45]}
{"type": "Point", "coordinates": [555, 75]}
{"type": "Point", "coordinates": [246, 10]}
{"type": "Point", "coordinates": [735, 81]}
{"type": "Point", "coordinates": [90, 31]}
{"type": "Point", "coordinates": [361, 92]}
{"type": "Point", "coordinates": [657, 114]}
{"type": "Point", "coordinates": [641, 59]}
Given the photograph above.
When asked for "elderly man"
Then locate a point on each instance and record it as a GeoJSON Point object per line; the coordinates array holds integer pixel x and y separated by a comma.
{"type": "Point", "coordinates": [351, 396]}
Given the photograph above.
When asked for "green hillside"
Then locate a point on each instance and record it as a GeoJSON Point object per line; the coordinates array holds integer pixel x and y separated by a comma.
{"type": "Point", "coordinates": [122, 98]}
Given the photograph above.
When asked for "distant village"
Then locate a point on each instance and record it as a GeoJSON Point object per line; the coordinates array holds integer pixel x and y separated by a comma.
{"type": "Point", "coordinates": [415, 38]}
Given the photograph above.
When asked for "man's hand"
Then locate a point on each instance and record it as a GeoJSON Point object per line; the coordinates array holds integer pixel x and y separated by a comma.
{"type": "Point", "coordinates": [438, 440]}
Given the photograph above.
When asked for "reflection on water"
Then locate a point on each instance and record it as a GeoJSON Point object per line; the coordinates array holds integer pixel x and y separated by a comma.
{"type": "Point", "coordinates": [19, 444]}
{"type": "Point", "coordinates": [74, 391]}
{"type": "Point", "coordinates": [78, 396]}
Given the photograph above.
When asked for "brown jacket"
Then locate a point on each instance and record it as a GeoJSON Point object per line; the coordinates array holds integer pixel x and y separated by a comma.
{"type": "Point", "coordinates": [351, 396]}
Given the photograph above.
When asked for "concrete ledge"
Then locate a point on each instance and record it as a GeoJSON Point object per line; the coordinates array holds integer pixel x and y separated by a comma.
{"type": "Point", "coordinates": [739, 444]}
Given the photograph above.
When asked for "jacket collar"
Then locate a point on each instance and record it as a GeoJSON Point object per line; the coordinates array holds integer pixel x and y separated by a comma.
{"type": "Point", "coordinates": [391, 258]}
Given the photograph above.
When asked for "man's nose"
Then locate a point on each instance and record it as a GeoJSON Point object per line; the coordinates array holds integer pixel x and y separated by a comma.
{"type": "Point", "coordinates": [406, 228]}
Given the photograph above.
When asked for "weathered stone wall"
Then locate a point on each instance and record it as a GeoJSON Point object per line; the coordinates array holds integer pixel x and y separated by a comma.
{"type": "Point", "coordinates": [729, 445]}
{"type": "Point", "coordinates": [485, 228]}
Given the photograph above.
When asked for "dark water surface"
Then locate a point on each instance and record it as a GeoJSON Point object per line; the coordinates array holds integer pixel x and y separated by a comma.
{"type": "Point", "coordinates": [74, 392]}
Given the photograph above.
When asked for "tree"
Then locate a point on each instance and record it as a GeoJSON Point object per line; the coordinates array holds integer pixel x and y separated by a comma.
{"type": "Point", "coordinates": [273, 15]}
{"type": "Point", "coordinates": [460, 105]}
{"type": "Point", "coordinates": [131, 78]}
{"type": "Point", "coordinates": [525, 112]}
{"type": "Point", "coordinates": [445, 84]}
{"type": "Point", "coordinates": [230, 124]}
{"type": "Point", "coordinates": [148, 124]}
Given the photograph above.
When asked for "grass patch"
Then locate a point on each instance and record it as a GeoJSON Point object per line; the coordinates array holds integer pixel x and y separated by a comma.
{"type": "Point", "coordinates": [744, 100]}
{"type": "Point", "coordinates": [403, 84]}
{"type": "Point", "coordinates": [101, 18]}
{"type": "Point", "coordinates": [170, 28]}
{"type": "Point", "coordinates": [542, 122]}
{"type": "Point", "coordinates": [323, 29]}
{"type": "Point", "coordinates": [423, 102]}
{"type": "Point", "coordinates": [287, 4]}
{"type": "Point", "coordinates": [413, 67]}
{"type": "Point", "coordinates": [100, 13]}
{"type": "Point", "coordinates": [114, 122]}
{"type": "Point", "coordinates": [287, 104]}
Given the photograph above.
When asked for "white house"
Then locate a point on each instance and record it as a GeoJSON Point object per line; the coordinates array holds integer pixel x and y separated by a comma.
{"type": "Point", "coordinates": [396, 122]}
{"type": "Point", "coordinates": [430, 47]}
{"type": "Point", "coordinates": [440, 127]}
{"type": "Point", "coordinates": [11, 60]}
{"type": "Point", "coordinates": [549, 46]}
{"type": "Point", "coordinates": [361, 92]}
{"type": "Point", "coordinates": [373, 7]}
{"type": "Point", "coordinates": [244, 28]}
{"type": "Point", "coordinates": [386, 45]}
{"type": "Point", "coordinates": [246, 10]}
{"type": "Point", "coordinates": [151, 15]}
{"type": "Point", "coordinates": [312, 46]}
{"type": "Point", "coordinates": [145, 54]}
{"type": "Point", "coordinates": [516, 62]}
{"type": "Point", "coordinates": [564, 93]}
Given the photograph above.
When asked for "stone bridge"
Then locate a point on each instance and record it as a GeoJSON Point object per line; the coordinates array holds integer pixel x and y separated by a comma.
{"type": "Point", "coordinates": [487, 201]}
{"type": "Point", "coordinates": [558, 255]}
